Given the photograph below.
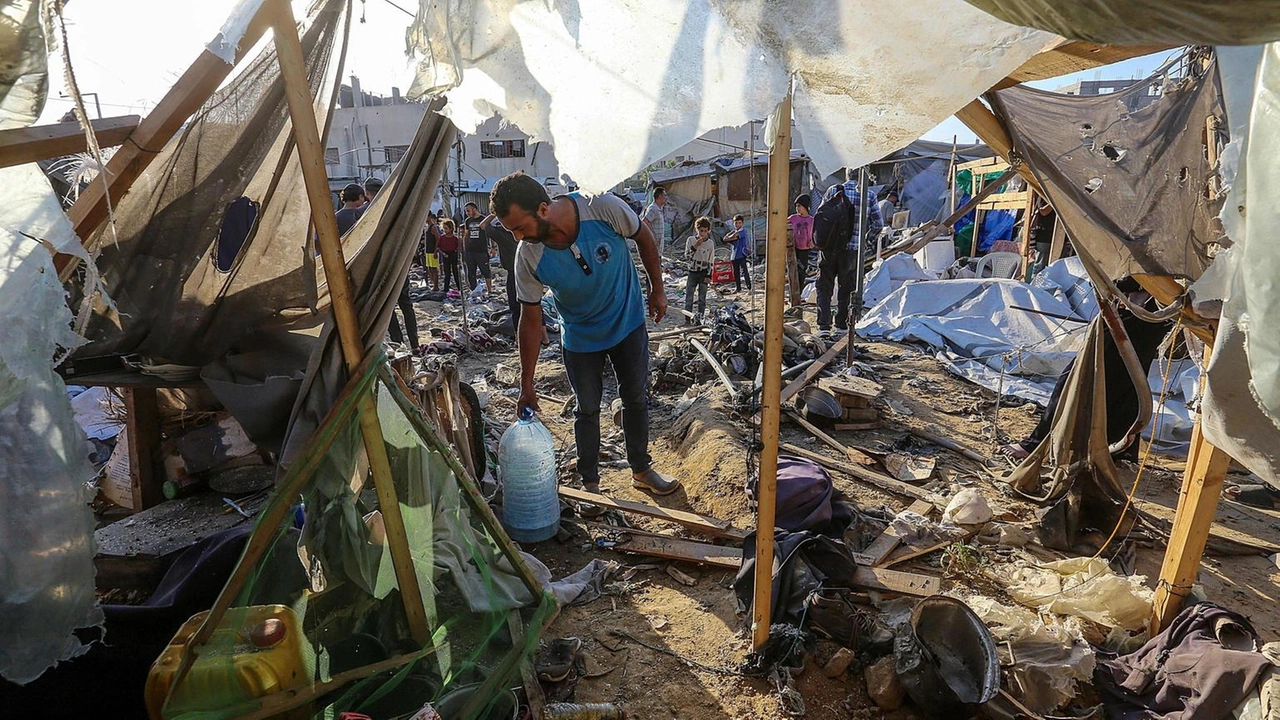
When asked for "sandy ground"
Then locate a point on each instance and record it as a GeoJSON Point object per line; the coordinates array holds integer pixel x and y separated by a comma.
{"type": "Point", "coordinates": [706, 447]}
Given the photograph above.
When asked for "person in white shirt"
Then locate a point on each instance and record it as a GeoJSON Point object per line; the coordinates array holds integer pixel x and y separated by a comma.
{"type": "Point", "coordinates": [888, 206]}
{"type": "Point", "coordinates": [655, 217]}
{"type": "Point", "coordinates": [699, 249]}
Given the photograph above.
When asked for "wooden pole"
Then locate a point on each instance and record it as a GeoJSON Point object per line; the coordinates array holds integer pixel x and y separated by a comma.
{"type": "Point", "coordinates": [771, 407]}
{"type": "Point", "coordinates": [41, 142]}
{"type": "Point", "coordinates": [293, 72]}
{"type": "Point", "coordinates": [1197, 503]}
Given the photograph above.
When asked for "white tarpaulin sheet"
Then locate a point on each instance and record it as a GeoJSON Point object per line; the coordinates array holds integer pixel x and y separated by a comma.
{"type": "Point", "coordinates": [46, 527]}
{"type": "Point", "coordinates": [978, 334]}
{"type": "Point", "coordinates": [1241, 410]}
{"type": "Point", "coordinates": [614, 86]}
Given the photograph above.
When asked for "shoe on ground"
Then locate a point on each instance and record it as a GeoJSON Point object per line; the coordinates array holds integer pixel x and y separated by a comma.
{"type": "Point", "coordinates": [557, 659]}
{"type": "Point", "coordinates": [655, 482]}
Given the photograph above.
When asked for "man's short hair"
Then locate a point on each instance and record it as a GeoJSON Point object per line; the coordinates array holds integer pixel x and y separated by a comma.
{"type": "Point", "coordinates": [891, 194]}
{"type": "Point", "coordinates": [372, 184]}
{"type": "Point", "coordinates": [659, 192]}
{"type": "Point", "coordinates": [803, 201]}
{"type": "Point", "coordinates": [702, 222]}
{"type": "Point", "coordinates": [471, 204]}
{"type": "Point", "coordinates": [352, 193]}
{"type": "Point", "coordinates": [517, 189]}
{"type": "Point", "coordinates": [739, 218]}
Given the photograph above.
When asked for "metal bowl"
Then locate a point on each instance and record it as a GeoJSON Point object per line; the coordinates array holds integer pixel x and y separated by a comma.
{"type": "Point", "coordinates": [819, 406]}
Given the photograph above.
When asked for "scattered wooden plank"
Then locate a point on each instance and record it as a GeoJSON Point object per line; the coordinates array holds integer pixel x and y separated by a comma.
{"type": "Point", "coordinates": [887, 541]}
{"type": "Point", "coordinates": [42, 142]}
{"type": "Point", "coordinates": [897, 581]}
{"type": "Point", "coordinates": [920, 552]}
{"type": "Point", "coordinates": [684, 550]}
{"type": "Point", "coordinates": [851, 386]}
{"type": "Point", "coordinates": [949, 444]}
{"type": "Point", "coordinates": [146, 461]}
{"type": "Point", "coordinates": [856, 456]}
{"type": "Point", "coordinates": [693, 521]}
{"type": "Point", "coordinates": [813, 370]}
{"type": "Point", "coordinates": [859, 415]}
{"type": "Point", "coordinates": [884, 482]}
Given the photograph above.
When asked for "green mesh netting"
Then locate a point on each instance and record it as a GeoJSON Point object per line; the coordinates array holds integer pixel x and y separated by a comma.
{"type": "Point", "coordinates": [319, 627]}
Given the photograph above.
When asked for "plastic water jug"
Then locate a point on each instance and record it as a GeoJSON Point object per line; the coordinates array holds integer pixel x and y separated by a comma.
{"type": "Point", "coordinates": [527, 466]}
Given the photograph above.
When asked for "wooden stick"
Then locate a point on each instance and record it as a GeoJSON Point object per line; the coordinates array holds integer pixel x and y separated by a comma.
{"type": "Point", "coordinates": [41, 142]}
{"type": "Point", "coordinates": [912, 555]}
{"type": "Point", "coordinates": [813, 370]}
{"type": "Point", "coordinates": [897, 581]}
{"type": "Point", "coordinates": [293, 72]}
{"type": "Point", "coordinates": [693, 521]}
{"type": "Point", "coordinates": [949, 444]}
{"type": "Point", "coordinates": [684, 550]}
{"type": "Point", "coordinates": [1197, 504]}
{"type": "Point", "coordinates": [677, 332]}
{"type": "Point", "coordinates": [532, 688]}
{"type": "Point", "coordinates": [854, 455]}
{"type": "Point", "coordinates": [715, 365]}
{"type": "Point", "coordinates": [277, 703]}
{"type": "Point", "coordinates": [770, 399]}
{"type": "Point", "coordinates": [493, 683]}
{"type": "Point", "coordinates": [884, 482]}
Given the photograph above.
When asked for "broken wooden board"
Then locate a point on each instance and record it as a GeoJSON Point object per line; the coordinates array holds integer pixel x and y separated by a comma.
{"type": "Point", "coordinates": [859, 414]}
{"type": "Point", "coordinates": [44, 142]}
{"type": "Point", "coordinates": [685, 550]}
{"type": "Point", "coordinates": [888, 540]}
{"type": "Point", "coordinates": [851, 386]}
{"type": "Point", "coordinates": [884, 482]}
{"type": "Point", "coordinates": [693, 521]}
{"type": "Point", "coordinates": [856, 456]}
{"type": "Point", "coordinates": [921, 552]}
{"type": "Point", "coordinates": [135, 553]}
{"type": "Point", "coordinates": [813, 370]}
{"type": "Point", "coordinates": [897, 581]}
{"type": "Point", "coordinates": [856, 426]}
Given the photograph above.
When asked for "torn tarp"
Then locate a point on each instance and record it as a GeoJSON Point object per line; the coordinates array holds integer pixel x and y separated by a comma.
{"type": "Point", "coordinates": [979, 332]}
{"type": "Point", "coordinates": [634, 81]}
{"type": "Point", "coordinates": [1129, 182]}
{"type": "Point", "coordinates": [1146, 22]}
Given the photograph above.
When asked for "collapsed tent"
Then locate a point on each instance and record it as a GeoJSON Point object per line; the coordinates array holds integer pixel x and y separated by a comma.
{"type": "Point", "coordinates": [1132, 185]}
{"type": "Point", "coordinates": [1001, 334]}
{"type": "Point", "coordinates": [1145, 22]}
{"type": "Point", "coordinates": [721, 188]}
{"type": "Point", "coordinates": [860, 90]}
{"type": "Point", "coordinates": [920, 172]}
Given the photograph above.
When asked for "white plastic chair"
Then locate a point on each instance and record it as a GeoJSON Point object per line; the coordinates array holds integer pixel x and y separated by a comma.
{"type": "Point", "coordinates": [999, 265]}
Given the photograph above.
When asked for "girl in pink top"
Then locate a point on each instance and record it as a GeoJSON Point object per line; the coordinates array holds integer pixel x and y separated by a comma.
{"type": "Point", "coordinates": [802, 232]}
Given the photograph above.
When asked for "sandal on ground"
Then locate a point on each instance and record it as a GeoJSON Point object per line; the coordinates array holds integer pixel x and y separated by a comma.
{"type": "Point", "coordinates": [556, 660]}
{"type": "Point", "coordinates": [655, 482]}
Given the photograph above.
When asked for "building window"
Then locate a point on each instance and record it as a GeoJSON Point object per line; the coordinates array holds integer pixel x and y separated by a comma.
{"type": "Point", "coordinates": [395, 153]}
{"type": "Point", "coordinates": [331, 156]}
{"type": "Point", "coordinates": [498, 149]}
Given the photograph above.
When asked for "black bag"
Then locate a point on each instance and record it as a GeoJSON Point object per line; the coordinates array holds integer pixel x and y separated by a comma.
{"type": "Point", "coordinates": [833, 223]}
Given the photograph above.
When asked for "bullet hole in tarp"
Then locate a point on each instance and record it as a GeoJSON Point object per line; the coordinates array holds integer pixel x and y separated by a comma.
{"type": "Point", "coordinates": [1183, 176]}
{"type": "Point", "coordinates": [1093, 185]}
{"type": "Point", "coordinates": [1113, 153]}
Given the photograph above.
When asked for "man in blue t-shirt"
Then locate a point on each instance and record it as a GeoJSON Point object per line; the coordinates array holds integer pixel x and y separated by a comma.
{"type": "Point", "coordinates": [577, 247]}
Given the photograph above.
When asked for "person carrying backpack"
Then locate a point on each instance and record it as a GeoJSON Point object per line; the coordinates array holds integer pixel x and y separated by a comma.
{"type": "Point", "coordinates": [837, 228]}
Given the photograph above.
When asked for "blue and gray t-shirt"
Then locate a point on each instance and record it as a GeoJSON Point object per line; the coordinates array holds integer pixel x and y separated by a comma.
{"type": "Point", "coordinates": [597, 308]}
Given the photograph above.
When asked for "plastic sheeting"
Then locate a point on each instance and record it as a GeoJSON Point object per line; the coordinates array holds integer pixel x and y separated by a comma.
{"type": "Point", "coordinates": [24, 74]}
{"type": "Point", "coordinates": [632, 81]}
{"type": "Point", "coordinates": [1241, 406]}
{"type": "Point", "coordinates": [978, 336]}
{"type": "Point", "coordinates": [1085, 588]}
{"type": "Point", "coordinates": [1146, 22]}
{"type": "Point", "coordinates": [46, 527]}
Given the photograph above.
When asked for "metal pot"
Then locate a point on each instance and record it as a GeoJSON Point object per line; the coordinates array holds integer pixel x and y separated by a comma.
{"type": "Point", "coordinates": [946, 657]}
{"type": "Point", "coordinates": [819, 406]}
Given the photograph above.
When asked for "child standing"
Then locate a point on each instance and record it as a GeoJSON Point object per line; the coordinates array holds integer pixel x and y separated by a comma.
{"type": "Point", "coordinates": [430, 258]}
{"type": "Point", "coordinates": [743, 250]}
{"type": "Point", "coordinates": [802, 231]}
{"type": "Point", "coordinates": [448, 247]}
{"type": "Point", "coordinates": [700, 250]}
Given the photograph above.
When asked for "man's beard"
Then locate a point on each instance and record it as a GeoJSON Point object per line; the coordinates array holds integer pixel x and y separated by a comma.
{"type": "Point", "coordinates": [544, 230]}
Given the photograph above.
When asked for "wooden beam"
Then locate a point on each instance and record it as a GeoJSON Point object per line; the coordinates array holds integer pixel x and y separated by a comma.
{"type": "Point", "coordinates": [142, 429]}
{"type": "Point", "coordinates": [41, 142]}
{"type": "Point", "coordinates": [778, 202]}
{"type": "Point", "coordinates": [693, 521]}
{"type": "Point", "coordinates": [310, 148]}
{"type": "Point", "coordinates": [813, 370]}
{"type": "Point", "coordinates": [884, 482]}
{"type": "Point", "coordinates": [164, 121]}
{"type": "Point", "coordinates": [856, 456]}
{"type": "Point", "coordinates": [684, 551]}
{"type": "Point", "coordinates": [887, 541]}
{"type": "Point", "coordinates": [897, 581]}
{"type": "Point", "coordinates": [1197, 503]}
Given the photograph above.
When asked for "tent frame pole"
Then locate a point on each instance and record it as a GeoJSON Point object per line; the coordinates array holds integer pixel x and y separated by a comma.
{"type": "Point", "coordinates": [770, 401]}
{"type": "Point", "coordinates": [311, 156]}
